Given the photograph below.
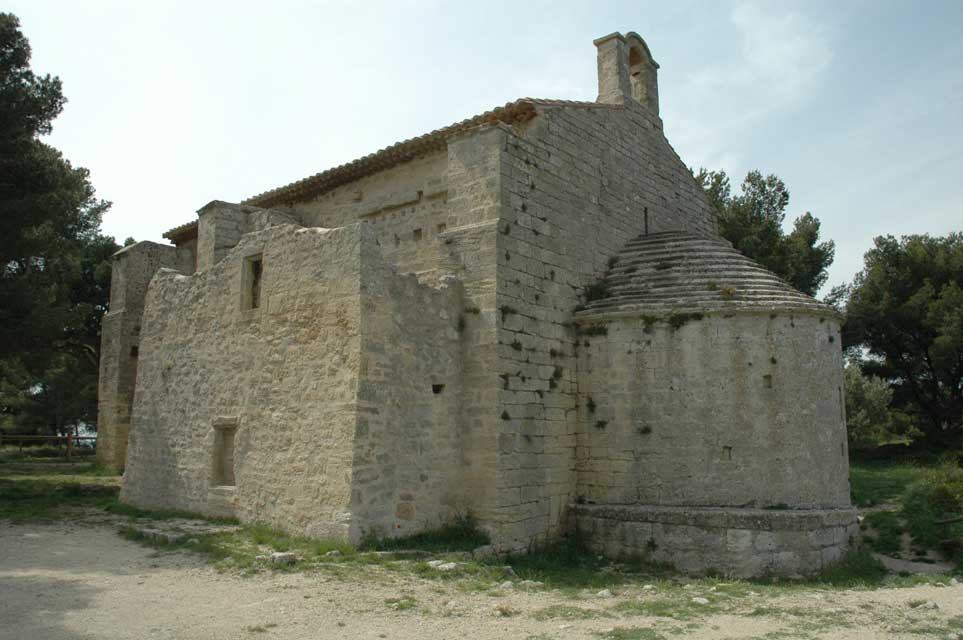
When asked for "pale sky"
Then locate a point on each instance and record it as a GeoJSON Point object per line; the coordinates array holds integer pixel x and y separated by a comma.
{"type": "Point", "coordinates": [857, 106]}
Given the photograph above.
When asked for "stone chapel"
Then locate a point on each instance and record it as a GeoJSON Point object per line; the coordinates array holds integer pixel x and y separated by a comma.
{"type": "Point", "coordinates": [528, 316]}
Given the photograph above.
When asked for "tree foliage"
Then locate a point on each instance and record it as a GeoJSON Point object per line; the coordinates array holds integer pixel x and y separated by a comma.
{"type": "Point", "coordinates": [906, 309]}
{"type": "Point", "coordinates": [752, 221]}
{"type": "Point", "coordinates": [870, 420]}
{"type": "Point", "coordinates": [54, 263]}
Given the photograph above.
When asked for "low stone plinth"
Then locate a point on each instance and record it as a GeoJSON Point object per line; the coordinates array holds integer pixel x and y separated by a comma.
{"type": "Point", "coordinates": [733, 541]}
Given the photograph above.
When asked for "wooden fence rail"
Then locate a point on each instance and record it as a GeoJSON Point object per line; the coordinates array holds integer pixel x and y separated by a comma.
{"type": "Point", "coordinates": [67, 442]}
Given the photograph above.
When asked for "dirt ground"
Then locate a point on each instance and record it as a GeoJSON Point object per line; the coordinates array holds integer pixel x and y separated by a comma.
{"type": "Point", "coordinates": [67, 582]}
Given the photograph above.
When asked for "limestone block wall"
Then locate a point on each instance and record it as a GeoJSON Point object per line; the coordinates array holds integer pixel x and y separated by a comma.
{"type": "Point", "coordinates": [410, 454]}
{"type": "Point", "coordinates": [221, 225]}
{"type": "Point", "coordinates": [726, 410]}
{"type": "Point", "coordinates": [576, 184]}
{"type": "Point", "coordinates": [131, 272]}
{"type": "Point", "coordinates": [286, 374]}
{"type": "Point", "coordinates": [407, 205]}
{"type": "Point", "coordinates": [187, 257]}
{"type": "Point", "coordinates": [735, 542]}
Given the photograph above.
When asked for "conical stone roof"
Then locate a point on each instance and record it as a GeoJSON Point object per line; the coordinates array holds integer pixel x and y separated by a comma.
{"type": "Point", "coordinates": [678, 272]}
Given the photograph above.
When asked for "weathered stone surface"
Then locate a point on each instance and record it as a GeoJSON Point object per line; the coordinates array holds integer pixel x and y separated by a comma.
{"type": "Point", "coordinates": [694, 539]}
{"type": "Point", "coordinates": [283, 558]}
{"type": "Point", "coordinates": [396, 342]}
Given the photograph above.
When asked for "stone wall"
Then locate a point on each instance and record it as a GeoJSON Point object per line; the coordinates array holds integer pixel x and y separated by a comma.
{"type": "Point", "coordinates": [406, 204]}
{"type": "Point", "coordinates": [284, 374]}
{"type": "Point", "coordinates": [577, 183]}
{"type": "Point", "coordinates": [221, 225]}
{"type": "Point", "coordinates": [735, 409]}
{"type": "Point", "coordinates": [342, 390]}
{"type": "Point", "coordinates": [131, 273]}
{"type": "Point", "coordinates": [735, 542]}
{"type": "Point", "coordinates": [410, 453]}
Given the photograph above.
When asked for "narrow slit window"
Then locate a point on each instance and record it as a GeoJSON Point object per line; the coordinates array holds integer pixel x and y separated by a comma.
{"type": "Point", "coordinates": [253, 279]}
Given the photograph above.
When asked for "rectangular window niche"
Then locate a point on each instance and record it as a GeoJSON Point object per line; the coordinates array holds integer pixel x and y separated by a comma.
{"type": "Point", "coordinates": [223, 455]}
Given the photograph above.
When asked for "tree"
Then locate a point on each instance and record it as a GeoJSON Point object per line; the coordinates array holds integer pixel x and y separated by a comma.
{"type": "Point", "coordinates": [752, 221]}
{"type": "Point", "coordinates": [54, 263]}
{"type": "Point", "coordinates": [905, 308]}
{"type": "Point", "coordinates": [870, 421]}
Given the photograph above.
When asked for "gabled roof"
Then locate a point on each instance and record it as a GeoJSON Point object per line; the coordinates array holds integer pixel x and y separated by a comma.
{"type": "Point", "coordinates": [517, 111]}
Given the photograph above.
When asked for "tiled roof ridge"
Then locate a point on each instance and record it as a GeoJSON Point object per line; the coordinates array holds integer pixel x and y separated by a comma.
{"type": "Point", "coordinates": [517, 111]}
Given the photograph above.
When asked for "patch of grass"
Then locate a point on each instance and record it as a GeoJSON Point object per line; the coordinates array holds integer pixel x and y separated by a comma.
{"type": "Point", "coordinates": [269, 537]}
{"type": "Point", "coordinates": [881, 482]}
{"type": "Point", "coordinates": [631, 633]}
{"type": "Point", "coordinates": [569, 564]}
{"type": "Point", "coordinates": [459, 534]}
{"type": "Point", "coordinates": [679, 608]}
{"type": "Point", "coordinates": [42, 453]}
{"type": "Point", "coordinates": [401, 604]}
{"type": "Point", "coordinates": [858, 568]}
{"type": "Point", "coordinates": [323, 547]}
{"type": "Point", "coordinates": [42, 499]}
{"type": "Point", "coordinates": [566, 612]}
{"type": "Point", "coordinates": [889, 531]}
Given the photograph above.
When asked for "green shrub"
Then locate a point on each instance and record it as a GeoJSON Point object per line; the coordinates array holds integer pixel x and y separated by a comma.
{"type": "Point", "coordinates": [937, 496]}
{"type": "Point", "coordinates": [889, 531]}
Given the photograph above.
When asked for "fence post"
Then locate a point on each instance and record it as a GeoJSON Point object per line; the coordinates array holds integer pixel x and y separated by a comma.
{"type": "Point", "coordinates": [70, 445]}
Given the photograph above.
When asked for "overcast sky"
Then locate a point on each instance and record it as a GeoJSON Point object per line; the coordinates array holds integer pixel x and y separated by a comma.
{"type": "Point", "coordinates": [857, 106]}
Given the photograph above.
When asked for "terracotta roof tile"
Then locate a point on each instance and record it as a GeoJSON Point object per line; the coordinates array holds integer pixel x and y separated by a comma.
{"type": "Point", "coordinates": [184, 231]}
{"type": "Point", "coordinates": [517, 111]}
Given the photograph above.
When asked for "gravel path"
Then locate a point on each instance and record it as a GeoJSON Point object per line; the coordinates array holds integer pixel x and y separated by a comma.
{"type": "Point", "coordinates": [68, 582]}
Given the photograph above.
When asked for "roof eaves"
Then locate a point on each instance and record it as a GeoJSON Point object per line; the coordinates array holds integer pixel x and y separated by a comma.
{"type": "Point", "coordinates": [182, 232]}
{"type": "Point", "coordinates": [518, 111]}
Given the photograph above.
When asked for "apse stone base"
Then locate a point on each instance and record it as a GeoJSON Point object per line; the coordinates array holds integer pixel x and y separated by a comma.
{"type": "Point", "coordinates": [736, 542]}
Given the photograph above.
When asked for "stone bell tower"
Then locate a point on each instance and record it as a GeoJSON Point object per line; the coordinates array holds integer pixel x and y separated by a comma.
{"type": "Point", "coordinates": [627, 71]}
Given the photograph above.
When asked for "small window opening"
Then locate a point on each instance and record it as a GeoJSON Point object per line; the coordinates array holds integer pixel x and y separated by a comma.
{"type": "Point", "coordinates": [726, 453]}
{"type": "Point", "coordinates": [441, 227]}
{"type": "Point", "coordinates": [134, 351]}
{"type": "Point", "coordinates": [416, 234]}
{"type": "Point", "coordinates": [437, 388]}
{"type": "Point", "coordinates": [253, 277]}
{"type": "Point", "coordinates": [397, 240]}
{"type": "Point", "coordinates": [224, 457]}
{"type": "Point", "coordinates": [767, 380]}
